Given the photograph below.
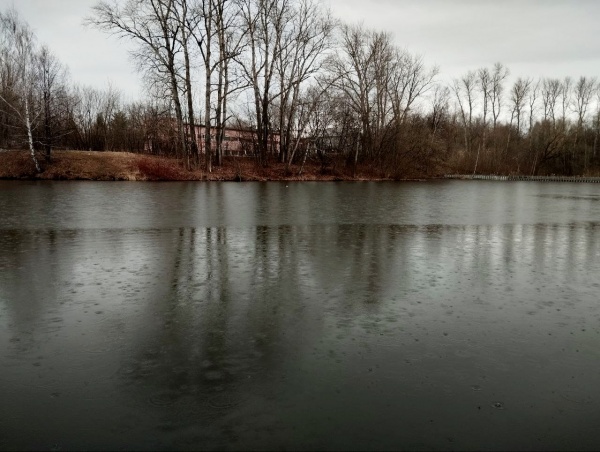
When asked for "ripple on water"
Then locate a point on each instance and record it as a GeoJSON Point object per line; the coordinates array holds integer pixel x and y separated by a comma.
{"type": "Point", "coordinates": [164, 399]}
{"type": "Point", "coordinates": [224, 400]}
{"type": "Point", "coordinates": [575, 396]}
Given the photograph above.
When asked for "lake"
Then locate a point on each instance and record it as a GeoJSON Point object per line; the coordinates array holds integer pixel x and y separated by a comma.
{"type": "Point", "coordinates": [428, 315]}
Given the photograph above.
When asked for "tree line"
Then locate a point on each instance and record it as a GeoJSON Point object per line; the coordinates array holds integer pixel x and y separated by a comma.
{"type": "Point", "coordinates": [42, 109]}
{"type": "Point", "coordinates": [288, 69]}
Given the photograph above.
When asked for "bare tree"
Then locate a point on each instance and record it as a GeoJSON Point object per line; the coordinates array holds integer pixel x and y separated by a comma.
{"type": "Point", "coordinates": [566, 91]}
{"type": "Point", "coordinates": [551, 91]}
{"type": "Point", "coordinates": [87, 111]}
{"type": "Point", "coordinates": [499, 75]}
{"type": "Point", "coordinates": [219, 36]}
{"type": "Point", "coordinates": [52, 85]}
{"type": "Point", "coordinates": [532, 98]}
{"type": "Point", "coordinates": [439, 107]}
{"type": "Point", "coordinates": [353, 76]}
{"type": "Point", "coordinates": [584, 91]}
{"type": "Point", "coordinates": [596, 123]}
{"type": "Point", "coordinates": [265, 22]}
{"type": "Point", "coordinates": [229, 44]}
{"type": "Point", "coordinates": [155, 27]}
{"type": "Point", "coordinates": [383, 67]}
{"type": "Point", "coordinates": [484, 80]}
{"type": "Point", "coordinates": [306, 121]}
{"type": "Point", "coordinates": [381, 84]}
{"type": "Point", "coordinates": [181, 12]}
{"type": "Point", "coordinates": [110, 103]}
{"type": "Point", "coordinates": [20, 54]}
{"type": "Point", "coordinates": [204, 35]}
{"type": "Point", "coordinates": [409, 80]}
{"type": "Point", "coordinates": [464, 91]}
{"type": "Point", "coordinates": [518, 95]}
{"type": "Point", "coordinates": [304, 42]}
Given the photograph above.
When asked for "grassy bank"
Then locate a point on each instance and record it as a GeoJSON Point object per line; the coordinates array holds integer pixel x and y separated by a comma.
{"type": "Point", "coordinates": [124, 166]}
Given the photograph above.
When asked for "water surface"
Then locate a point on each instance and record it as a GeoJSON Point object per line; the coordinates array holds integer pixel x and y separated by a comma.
{"type": "Point", "coordinates": [439, 315]}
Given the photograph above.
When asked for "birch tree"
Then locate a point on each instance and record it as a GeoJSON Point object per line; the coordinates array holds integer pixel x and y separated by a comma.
{"type": "Point", "coordinates": [19, 53]}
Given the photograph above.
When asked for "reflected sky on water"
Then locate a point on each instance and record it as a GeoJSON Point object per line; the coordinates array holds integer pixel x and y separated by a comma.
{"type": "Point", "coordinates": [443, 315]}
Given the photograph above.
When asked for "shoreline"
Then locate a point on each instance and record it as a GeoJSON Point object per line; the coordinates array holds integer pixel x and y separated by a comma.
{"type": "Point", "coordinates": [125, 166]}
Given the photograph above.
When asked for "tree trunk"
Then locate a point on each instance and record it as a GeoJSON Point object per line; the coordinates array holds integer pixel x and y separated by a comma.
{"type": "Point", "coordinates": [225, 95]}
{"type": "Point", "coordinates": [179, 116]}
{"type": "Point", "coordinates": [355, 159]}
{"type": "Point", "coordinates": [47, 133]}
{"type": "Point", "coordinates": [220, 130]}
{"type": "Point", "coordinates": [208, 90]}
{"type": "Point", "coordinates": [30, 136]}
{"type": "Point", "coordinates": [188, 87]}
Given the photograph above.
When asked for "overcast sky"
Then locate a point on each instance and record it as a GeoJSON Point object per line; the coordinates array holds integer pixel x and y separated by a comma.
{"type": "Point", "coordinates": [553, 38]}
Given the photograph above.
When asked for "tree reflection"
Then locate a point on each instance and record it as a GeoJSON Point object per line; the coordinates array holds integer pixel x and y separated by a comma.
{"type": "Point", "coordinates": [202, 324]}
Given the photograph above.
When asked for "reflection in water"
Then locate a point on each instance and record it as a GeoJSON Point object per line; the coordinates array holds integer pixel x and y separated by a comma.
{"type": "Point", "coordinates": [313, 335]}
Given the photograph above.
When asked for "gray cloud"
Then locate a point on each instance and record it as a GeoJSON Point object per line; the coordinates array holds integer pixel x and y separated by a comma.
{"type": "Point", "coordinates": [532, 37]}
{"type": "Point", "coordinates": [93, 58]}
{"type": "Point", "coordinates": [460, 35]}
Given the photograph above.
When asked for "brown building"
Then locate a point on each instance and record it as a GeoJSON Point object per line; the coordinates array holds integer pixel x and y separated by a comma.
{"type": "Point", "coordinates": [238, 141]}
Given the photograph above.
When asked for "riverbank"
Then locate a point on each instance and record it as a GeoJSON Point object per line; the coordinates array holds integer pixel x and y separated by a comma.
{"type": "Point", "coordinates": [125, 166]}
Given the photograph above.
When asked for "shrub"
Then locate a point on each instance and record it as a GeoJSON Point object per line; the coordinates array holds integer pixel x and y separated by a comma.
{"type": "Point", "coordinates": [160, 169]}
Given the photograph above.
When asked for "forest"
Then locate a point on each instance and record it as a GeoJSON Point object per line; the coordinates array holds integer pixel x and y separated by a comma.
{"type": "Point", "coordinates": [327, 90]}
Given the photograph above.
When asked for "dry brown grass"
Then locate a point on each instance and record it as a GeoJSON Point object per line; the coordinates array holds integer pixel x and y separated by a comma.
{"type": "Point", "coordinates": [16, 165]}
{"type": "Point", "coordinates": [83, 165]}
{"type": "Point", "coordinates": [159, 169]}
{"type": "Point", "coordinates": [66, 165]}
